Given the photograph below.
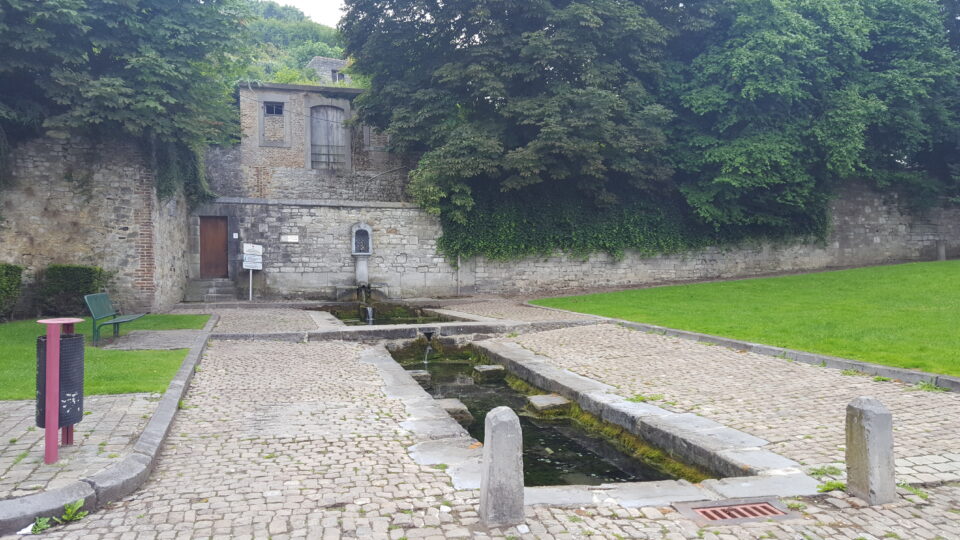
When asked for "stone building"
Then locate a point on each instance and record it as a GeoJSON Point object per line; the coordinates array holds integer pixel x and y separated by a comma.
{"type": "Point", "coordinates": [330, 70]}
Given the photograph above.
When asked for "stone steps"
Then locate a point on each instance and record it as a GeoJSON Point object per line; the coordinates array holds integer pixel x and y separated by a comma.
{"type": "Point", "coordinates": [211, 290]}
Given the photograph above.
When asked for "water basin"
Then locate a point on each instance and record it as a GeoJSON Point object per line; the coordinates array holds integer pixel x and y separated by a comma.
{"type": "Point", "coordinates": [556, 450]}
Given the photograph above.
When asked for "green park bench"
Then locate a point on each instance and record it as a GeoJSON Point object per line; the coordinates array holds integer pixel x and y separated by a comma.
{"type": "Point", "coordinates": [101, 309]}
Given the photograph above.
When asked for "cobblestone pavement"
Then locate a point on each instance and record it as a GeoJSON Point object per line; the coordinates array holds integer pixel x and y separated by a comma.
{"type": "Point", "coordinates": [260, 321]}
{"type": "Point", "coordinates": [155, 340]}
{"type": "Point", "coordinates": [514, 310]}
{"type": "Point", "coordinates": [284, 440]}
{"type": "Point", "coordinates": [799, 408]}
{"type": "Point", "coordinates": [110, 426]}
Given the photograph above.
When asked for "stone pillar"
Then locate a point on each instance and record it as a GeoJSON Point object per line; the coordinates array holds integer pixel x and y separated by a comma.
{"type": "Point", "coordinates": [870, 467]}
{"type": "Point", "coordinates": [941, 250]}
{"type": "Point", "coordinates": [501, 483]}
{"type": "Point", "coordinates": [362, 273]}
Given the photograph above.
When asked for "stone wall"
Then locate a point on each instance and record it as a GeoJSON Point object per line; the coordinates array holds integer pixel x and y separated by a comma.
{"type": "Point", "coordinates": [324, 67]}
{"type": "Point", "coordinates": [867, 229]}
{"type": "Point", "coordinates": [71, 201]}
{"type": "Point", "coordinates": [318, 264]}
{"type": "Point", "coordinates": [262, 166]}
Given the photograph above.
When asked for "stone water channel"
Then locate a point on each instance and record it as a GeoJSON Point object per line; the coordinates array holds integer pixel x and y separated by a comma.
{"type": "Point", "coordinates": [359, 314]}
{"type": "Point", "coordinates": [556, 451]}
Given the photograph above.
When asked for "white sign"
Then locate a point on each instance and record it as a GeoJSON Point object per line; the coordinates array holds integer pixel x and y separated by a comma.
{"type": "Point", "coordinates": [290, 238]}
{"type": "Point", "coordinates": [253, 258]}
{"type": "Point", "coordinates": [251, 265]}
{"type": "Point", "coordinates": [252, 249]}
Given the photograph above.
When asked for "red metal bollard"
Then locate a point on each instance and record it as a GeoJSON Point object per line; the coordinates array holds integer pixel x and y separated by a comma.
{"type": "Point", "coordinates": [52, 398]}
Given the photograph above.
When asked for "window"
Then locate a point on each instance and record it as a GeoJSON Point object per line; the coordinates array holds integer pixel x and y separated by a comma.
{"type": "Point", "coordinates": [361, 242]}
{"type": "Point", "coordinates": [336, 76]}
{"type": "Point", "coordinates": [328, 140]}
{"type": "Point", "coordinates": [273, 108]}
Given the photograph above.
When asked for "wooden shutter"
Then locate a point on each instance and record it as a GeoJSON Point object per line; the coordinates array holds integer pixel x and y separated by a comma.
{"type": "Point", "coordinates": [328, 144]}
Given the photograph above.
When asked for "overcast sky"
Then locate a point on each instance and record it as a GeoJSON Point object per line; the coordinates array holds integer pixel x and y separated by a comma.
{"type": "Point", "coordinates": [322, 11]}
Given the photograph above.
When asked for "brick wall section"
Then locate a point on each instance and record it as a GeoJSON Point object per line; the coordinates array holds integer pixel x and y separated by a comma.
{"type": "Point", "coordinates": [74, 202]}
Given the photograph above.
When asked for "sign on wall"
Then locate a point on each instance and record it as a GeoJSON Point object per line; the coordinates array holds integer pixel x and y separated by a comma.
{"type": "Point", "coordinates": [252, 256]}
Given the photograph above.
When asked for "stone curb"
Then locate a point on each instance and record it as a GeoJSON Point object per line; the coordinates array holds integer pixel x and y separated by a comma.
{"type": "Point", "coordinates": [908, 376]}
{"type": "Point", "coordinates": [738, 456]}
{"type": "Point", "coordinates": [403, 331]}
{"type": "Point", "coordinates": [119, 479]}
{"type": "Point", "coordinates": [238, 304]}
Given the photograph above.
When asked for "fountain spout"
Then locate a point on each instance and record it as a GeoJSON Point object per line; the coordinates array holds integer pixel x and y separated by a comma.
{"type": "Point", "coordinates": [369, 311]}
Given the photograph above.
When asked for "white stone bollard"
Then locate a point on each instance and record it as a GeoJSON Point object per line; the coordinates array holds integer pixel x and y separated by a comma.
{"type": "Point", "coordinates": [941, 250]}
{"type": "Point", "coordinates": [870, 467]}
{"type": "Point", "coordinates": [501, 482]}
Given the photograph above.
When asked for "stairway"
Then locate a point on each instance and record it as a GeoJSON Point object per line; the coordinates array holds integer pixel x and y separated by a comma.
{"type": "Point", "coordinates": [211, 290]}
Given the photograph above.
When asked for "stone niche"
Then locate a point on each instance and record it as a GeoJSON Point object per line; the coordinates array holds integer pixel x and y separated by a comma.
{"type": "Point", "coordinates": [362, 239]}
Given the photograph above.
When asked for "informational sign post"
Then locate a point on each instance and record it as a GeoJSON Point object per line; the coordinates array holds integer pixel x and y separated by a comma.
{"type": "Point", "coordinates": [252, 260]}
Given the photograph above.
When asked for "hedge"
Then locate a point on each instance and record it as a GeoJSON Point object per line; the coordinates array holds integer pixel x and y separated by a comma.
{"type": "Point", "coordinates": [64, 286]}
{"type": "Point", "coordinates": [10, 280]}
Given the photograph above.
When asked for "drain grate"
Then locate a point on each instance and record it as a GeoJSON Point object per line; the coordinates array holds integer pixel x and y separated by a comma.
{"type": "Point", "coordinates": [731, 512]}
{"type": "Point", "coordinates": [739, 511]}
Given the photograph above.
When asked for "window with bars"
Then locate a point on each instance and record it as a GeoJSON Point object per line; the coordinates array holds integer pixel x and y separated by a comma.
{"type": "Point", "coordinates": [361, 241]}
{"type": "Point", "coordinates": [328, 146]}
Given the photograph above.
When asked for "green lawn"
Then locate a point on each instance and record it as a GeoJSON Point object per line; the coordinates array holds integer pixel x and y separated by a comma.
{"type": "Point", "coordinates": [105, 372]}
{"type": "Point", "coordinates": [905, 315]}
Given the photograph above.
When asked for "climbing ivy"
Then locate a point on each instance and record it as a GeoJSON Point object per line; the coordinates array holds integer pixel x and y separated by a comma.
{"type": "Point", "coordinates": [538, 223]}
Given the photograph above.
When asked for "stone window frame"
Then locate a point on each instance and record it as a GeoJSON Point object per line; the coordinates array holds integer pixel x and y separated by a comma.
{"type": "Point", "coordinates": [273, 97]}
{"type": "Point", "coordinates": [312, 100]}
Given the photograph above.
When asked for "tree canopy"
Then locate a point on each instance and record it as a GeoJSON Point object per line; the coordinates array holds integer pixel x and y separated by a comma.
{"type": "Point", "coordinates": [286, 40]}
{"type": "Point", "coordinates": [694, 122]}
{"type": "Point", "coordinates": [160, 71]}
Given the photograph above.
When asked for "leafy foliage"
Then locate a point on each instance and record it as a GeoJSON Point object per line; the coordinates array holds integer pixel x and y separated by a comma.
{"type": "Point", "coordinates": [286, 41]}
{"type": "Point", "coordinates": [63, 287]}
{"type": "Point", "coordinates": [72, 512]}
{"type": "Point", "coordinates": [741, 117]}
{"type": "Point", "coordinates": [161, 71]}
{"type": "Point", "coordinates": [10, 280]}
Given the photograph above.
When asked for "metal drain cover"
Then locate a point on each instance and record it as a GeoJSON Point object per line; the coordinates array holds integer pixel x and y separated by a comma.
{"type": "Point", "coordinates": [734, 511]}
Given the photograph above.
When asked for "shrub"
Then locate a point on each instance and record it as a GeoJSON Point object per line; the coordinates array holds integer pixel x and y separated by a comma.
{"type": "Point", "coordinates": [10, 275]}
{"type": "Point", "coordinates": [64, 286]}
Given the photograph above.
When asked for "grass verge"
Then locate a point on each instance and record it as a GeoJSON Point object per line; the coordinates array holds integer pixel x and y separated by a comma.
{"type": "Point", "coordinates": [901, 315]}
{"type": "Point", "coordinates": [105, 371]}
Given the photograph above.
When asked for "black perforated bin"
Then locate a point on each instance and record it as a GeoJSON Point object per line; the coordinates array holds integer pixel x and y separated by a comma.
{"type": "Point", "coordinates": [71, 379]}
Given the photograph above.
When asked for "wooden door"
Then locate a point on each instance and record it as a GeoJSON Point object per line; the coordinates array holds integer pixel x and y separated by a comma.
{"type": "Point", "coordinates": [213, 247]}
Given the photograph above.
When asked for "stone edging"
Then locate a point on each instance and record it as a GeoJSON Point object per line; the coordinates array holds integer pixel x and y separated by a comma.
{"type": "Point", "coordinates": [404, 331]}
{"type": "Point", "coordinates": [119, 479]}
{"type": "Point", "coordinates": [441, 440]}
{"type": "Point", "coordinates": [749, 470]}
{"type": "Point", "coordinates": [905, 375]}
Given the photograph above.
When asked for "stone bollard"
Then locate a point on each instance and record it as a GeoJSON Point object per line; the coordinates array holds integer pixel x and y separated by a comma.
{"type": "Point", "coordinates": [941, 250]}
{"type": "Point", "coordinates": [870, 469]}
{"type": "Point", "coordinates": [501, 483]}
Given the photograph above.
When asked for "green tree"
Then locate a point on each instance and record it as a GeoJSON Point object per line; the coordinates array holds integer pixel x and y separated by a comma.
{"type": "Point", "coordinates": [503, 95]}
{"type": "Point", "coordinates": [160, 71]}
{"type": "Point", "coordinates": [285, 41]}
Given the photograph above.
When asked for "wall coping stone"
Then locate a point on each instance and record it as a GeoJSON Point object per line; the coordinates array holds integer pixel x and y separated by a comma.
{"type": "Point", "coordinates": [119, 479]}
{"type": "Point", "coordinates": [314, 202]}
